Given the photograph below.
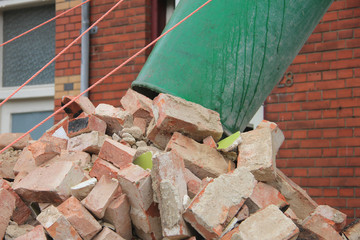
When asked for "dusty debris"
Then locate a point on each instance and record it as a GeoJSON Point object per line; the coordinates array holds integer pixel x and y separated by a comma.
{"type": "Point", "coordinates": [98, 174]}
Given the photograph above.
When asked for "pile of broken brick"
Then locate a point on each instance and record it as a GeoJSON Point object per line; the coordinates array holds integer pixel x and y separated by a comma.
{"type": "Point", "coordinates": [151, 170]}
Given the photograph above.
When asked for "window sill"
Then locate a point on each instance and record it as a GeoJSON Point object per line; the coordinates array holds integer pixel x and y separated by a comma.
{"type": "Point", "coordinates": [37, 91]}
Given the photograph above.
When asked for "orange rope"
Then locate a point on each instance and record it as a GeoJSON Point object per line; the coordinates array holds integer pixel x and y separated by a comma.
{"type": "Point", "coordinates": [60, 53]}
{"type": "Point", "coordinates": [106, 76]}
{"type": "Point", "coordinates": [42, 24]}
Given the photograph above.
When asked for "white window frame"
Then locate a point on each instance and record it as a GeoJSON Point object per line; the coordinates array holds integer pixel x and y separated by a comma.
{"type": "Point", "coordinates": [32, 98]}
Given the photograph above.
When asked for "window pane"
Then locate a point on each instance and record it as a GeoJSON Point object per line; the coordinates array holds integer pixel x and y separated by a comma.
{"type": "Point", "coordinates": [26, 55]}
{"type": "Point", "coordinates": [23, 122]}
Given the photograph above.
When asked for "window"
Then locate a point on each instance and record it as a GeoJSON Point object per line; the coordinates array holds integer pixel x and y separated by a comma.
{"type": "Point", "coordinates": [21, 59]}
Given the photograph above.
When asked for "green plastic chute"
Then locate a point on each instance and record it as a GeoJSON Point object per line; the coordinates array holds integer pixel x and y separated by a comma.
{"type": "Point", "coordinates": [231, 54]}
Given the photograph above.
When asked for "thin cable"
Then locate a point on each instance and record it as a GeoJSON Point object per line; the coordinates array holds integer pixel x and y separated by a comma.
{"type": "Point", "coordinates": [42, 24]}
{"type": "Point", "coordinates": [60, 53]}
{"type": "Point", "coordinates": [106, 76]}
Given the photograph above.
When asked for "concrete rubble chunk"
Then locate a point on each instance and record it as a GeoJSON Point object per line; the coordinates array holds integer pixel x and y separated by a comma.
{"type": "Point", "coordinates": [108, 234]}
{"type": "Point", "coordinates": [81, 190]}
{"type": "Point", "coordinates": [169, 185]}
{"type": "Point", "coordinates": [87, 142]}
{"type": "Point", "coordinates": [136, 184]}
{"type": "Point", "coordinates": [118, 214]}
{"type": "Point", "coordinates": [173, 114]}
{"type": "Point", "coordinates": [267, 224]}
{"type": "Point", "coordinates": [100, 197]}
{"type": "Point", "coordinates": [102, 167]}
{"type": "Point", "coordinates": [83, 222]}
{"type": "Point", "coordinates": [22, 211]}
{"type": "Point", "coordinates": [56, 225]}
{"type": "Point", "coordinates": [7, 206]}
{"type": "Point", "coordinates": [200, 159]}
{"type": "Point", "coordinates": [49, 183]}
{"type": "Point", "coordinates": [115, 118]}
{"type": "Point", "coordinates": [7, 138]}
{"type": "Point", "coordinates": [86, 124]}
{"type": "Point", "coordinates": [265, 195]}
{"type": "Point", "coordinates": [137, 104]}
{"type": "Point", "coordinates": [352, 231]}
{"type": "Point", "coordinates": [224, 196]}
{"type": "Point", "coordinates": [257, 154]}
{"type": "Point", "coordinates": [8, 160]}
{"type": "Point", "coordinates": [37, 233]}
{"type": "Point", "coordinates": [80, 105]}
{"type": "Point", "coordinates": [117, 153]}
{"type": "Point", "coordinates": [319, 227]}
{"type": "Point", "coordinates": [300, 202]}
{"type": "Point", "coordinates": [333, 215]}
{"type": "Point", "coordinates": [276, 134]}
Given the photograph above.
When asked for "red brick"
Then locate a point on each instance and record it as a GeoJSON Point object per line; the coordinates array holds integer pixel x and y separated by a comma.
{"type": "Point", "coordinates": [117, 153]}
{"type": "Point", "coordinates": [85, 124]}
{"type": "Point", "coordinates": [37, 233]}
{"type": "Point", "coordinates": [83, 222]}
{"type": "Point", "coordinates": [100, 197]}
{"type": "Point", "coordinates": [7, 206]}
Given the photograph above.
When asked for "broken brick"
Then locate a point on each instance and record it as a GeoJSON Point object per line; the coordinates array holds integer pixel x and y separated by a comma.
{"type": "Point", "coordinates": [200, 159]}
{"type": "Point", "coordinates": [265, 195]}
{"type": "Point", "coordinates": [103, 168]}
{"type": "Point", "coordinates": [137, 105]}
{"type": "Point", "coordinates": [115, 118]}
{"type": "Point", "coordinates": [136, 184]}
{"type": "Point", "coordinates": [83, 222]}
{"type": "Point", "coordinates": [219, 201]}
{"type": "Point", "coordinates": [173, 114]}
{"type": "Point", "coordinates": [8, 138]}
{"type": "Point", "coordinates": [107, 234]}
{"type": "Point", "coordinates": [80, 105]}
{"type": "Point", "coordinates": [21, 212]}
{"type": "Point", "coordinates": [86, 124]}
{"type": "Point", "coordinates": [332, 214]}
{"type": "Point", "coordinates": [140, 123]}
{"type": "Point", "coordinates": [42, 151]}
{"type": "Point", "coordinates": [87, 142]}
{"type": "Point", "coordinates": [257, 154]}
{"type": "Point", "coordinates": [268, 223]}
{"type": "Point", "coordinates": [49, 183]}
{"type": "Point", "coordinates": [352, 231]}
{"type": "Point", "coordinates": [117, 153]}
{"type": "Point", "coordinates": [169, 185]}
{"type": "Point", "coordinates": [7, 206]}
{"type": "Point", "coordinates": [300, 202]}
{"type": "Point", "coordinates": [57, 225]}
{"type": "Point", "coordinates": [276, 134]}
{"type": "Point", "coordinates": [118, 214]}
{"type": "Point", "coordinates": [100, 197]}
{"type": "Point", "coordinates": [210, 142]}
{"type": "Point", "coordinates": [37, 233]}
{"type": "Point", "coordinates": [8, 160]}
{"type": "Point", "coordinates": [319, 227]}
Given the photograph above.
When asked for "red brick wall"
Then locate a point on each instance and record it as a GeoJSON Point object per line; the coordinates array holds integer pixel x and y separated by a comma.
{"type": "Point", "coordinates": [125, 31]}
{"type": "Point", "coordinates": [121, 34]}
{"type": "Point", "coordinates": [320, 112]}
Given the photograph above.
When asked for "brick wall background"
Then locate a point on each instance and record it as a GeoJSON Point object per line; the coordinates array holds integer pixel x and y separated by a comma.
{"type": "Point", "coordinates": [121, 34]}
{"type": "Point", "coordinates": [320, 112]}
{"type": "Point", "coordinates": [125, 31]}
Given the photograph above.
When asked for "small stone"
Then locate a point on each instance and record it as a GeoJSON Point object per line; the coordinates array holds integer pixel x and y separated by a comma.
{"type": "Point", "coordinates": [141, 144]}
